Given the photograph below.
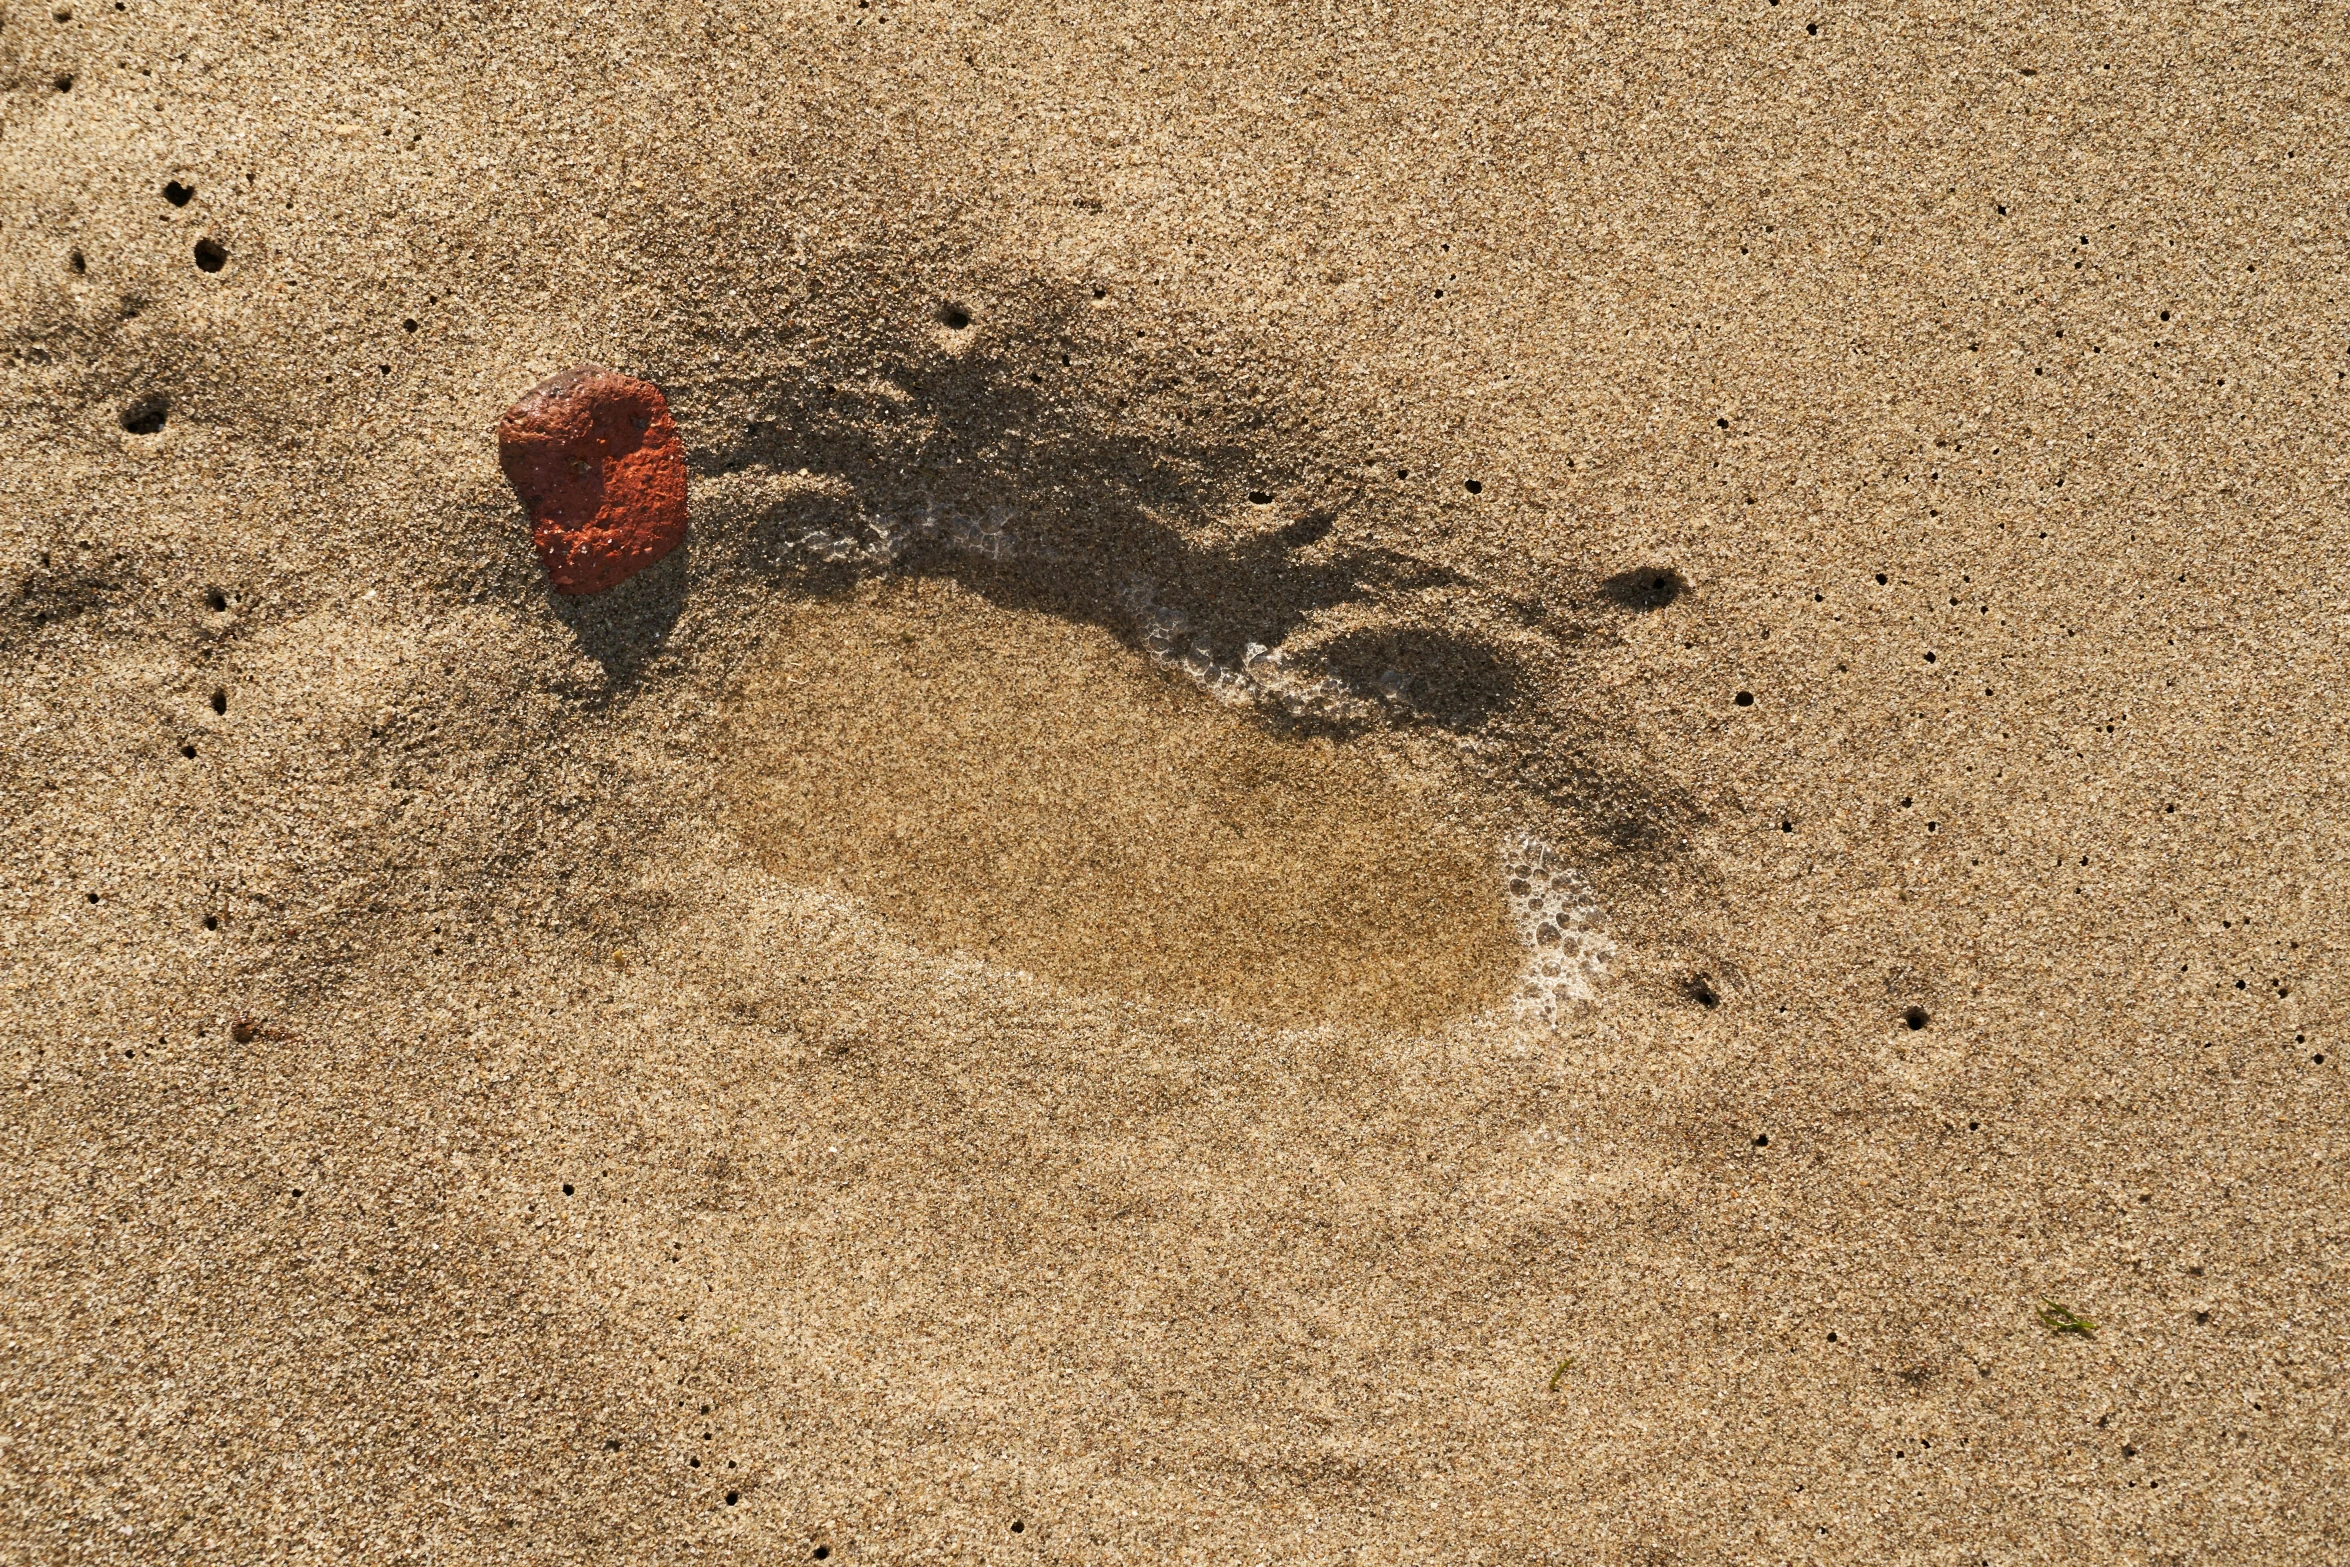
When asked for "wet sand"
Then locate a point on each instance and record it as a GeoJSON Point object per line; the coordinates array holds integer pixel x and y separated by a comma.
{"type": "Point", "coordinates": [1423, 785]}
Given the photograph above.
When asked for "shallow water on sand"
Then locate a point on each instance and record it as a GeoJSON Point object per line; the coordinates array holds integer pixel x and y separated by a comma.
{"type": "Point", "coordinates": [1013, 785]}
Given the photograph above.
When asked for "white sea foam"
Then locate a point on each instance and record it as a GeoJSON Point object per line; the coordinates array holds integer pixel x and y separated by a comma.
{"type": "Point", "coordinates": [1560, 920]}
{"type": "Point", "coordinates": [882, 538]}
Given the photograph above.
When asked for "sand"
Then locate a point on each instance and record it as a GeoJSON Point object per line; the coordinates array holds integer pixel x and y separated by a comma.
{"type": "Point", "coordinates": [1426, 784]}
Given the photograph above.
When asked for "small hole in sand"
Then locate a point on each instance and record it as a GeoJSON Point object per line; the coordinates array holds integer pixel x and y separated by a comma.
{"type": "Point", "coordinates": [188, 751]}
{"type": "Point", "coordinates": [953, 317]}
{"type": "Point", "coordinates": [211, 256]}
{"type": "Point", "coordinates": [1745, 699]}
{"type": "Point", "coordinates": [215, 600]}
{"type": "Point", "coordinates": [146, 416]}
{"type": "Point", "coordinates": [64, 81]}
{"type": "Point", "coordinates": [177, 194]}
{"type": "Point", "coordinates": [1644, 587]}
{"type": "Point", "coordinates": [408, 325]}
{"type": "Point", "coordinates": [1475, 486]}
{"type": "Point", "coordinates": [212, 922]}
{"type": "Point", "coordinates": [1915, 1017]}
{"type": "Point", "coordinates": [76, 262]}
{"type": "Point", "coordinates": [219, 699]}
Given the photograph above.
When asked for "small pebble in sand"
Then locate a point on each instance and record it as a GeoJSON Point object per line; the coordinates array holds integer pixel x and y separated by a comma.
{"type": "Point", "coordinates": [595, 458]}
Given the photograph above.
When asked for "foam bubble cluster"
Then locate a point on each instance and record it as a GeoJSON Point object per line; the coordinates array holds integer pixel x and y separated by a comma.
{"type": "Point", "coordinates": [1559, 918]}
{"type": "Point", "coordinates": [1261, 674]}
{"type": "Point", "coordinates": [881, 538]}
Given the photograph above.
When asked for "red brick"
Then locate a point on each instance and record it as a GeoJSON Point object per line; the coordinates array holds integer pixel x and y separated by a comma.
{"type": "Point", "coordinates": [595, 458]}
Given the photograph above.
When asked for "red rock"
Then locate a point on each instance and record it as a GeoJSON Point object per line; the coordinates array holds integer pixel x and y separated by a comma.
{"type": "Point", "coordinates": [595, 458]}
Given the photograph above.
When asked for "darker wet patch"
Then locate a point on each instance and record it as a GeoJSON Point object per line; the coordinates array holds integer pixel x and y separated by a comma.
{"type": "Point", "coordinates": [1017, 786]}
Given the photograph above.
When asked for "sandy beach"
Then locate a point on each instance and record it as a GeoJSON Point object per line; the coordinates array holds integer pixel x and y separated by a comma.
{"type": "Point", "coordinates": [1424, 783]}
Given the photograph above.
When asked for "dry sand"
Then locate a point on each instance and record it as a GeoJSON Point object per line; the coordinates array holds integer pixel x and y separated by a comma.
{"type": "Point", "coordinates": [1429, 783]}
